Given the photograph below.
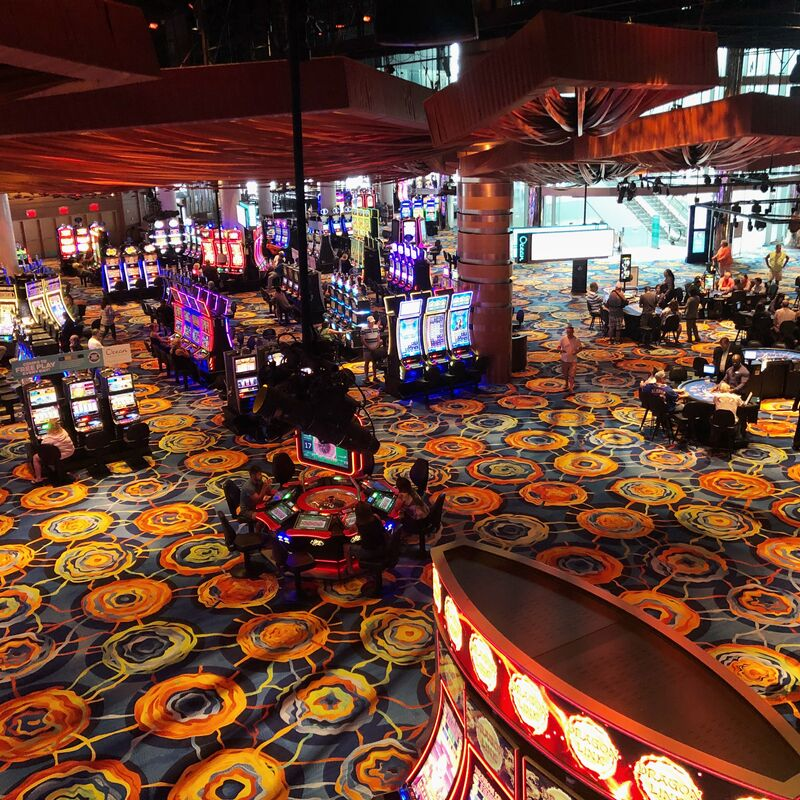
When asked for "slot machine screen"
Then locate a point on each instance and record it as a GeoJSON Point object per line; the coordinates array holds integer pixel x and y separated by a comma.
{"type": "Point", "coordinates": [44, 396]}
{"type": "Point", "coordinates": [179, 322]}
{"type": "Point", "coordinates": [312, 522]}
{"type": "Point", "coordinates": [459, 329]}
{"type": "Point", "coordinates": [383, 501]}
{"type": "Point", "coordinates": [408, 342]}
{"type": "Point", "coordinates": [120, 383]}
{"type": "Point", "coordinates": [42, 417]}
{"type": "Point", "coordinates": [120, 402]}
{"type": "Point", "coordinates": [81, 389]}
{"type": "Point", "coordinates": [438, 772]}
{"type": "Point", "coordinates": [247, 386]}
{"type": "Point", "coordinates": [246, 365]}
{"type": "Point", "coordinates": [410, 229]}
{"type": "Point", "coordinates": [495, 749]}
{"type": "Point", "coordinates": [324, 454]}
{"type": "Point", "coordinates": [482, 787]}
{"type": "Point", "coordinates": [84, 408]}
{"type": "Point", "coordinates": [436, 333]}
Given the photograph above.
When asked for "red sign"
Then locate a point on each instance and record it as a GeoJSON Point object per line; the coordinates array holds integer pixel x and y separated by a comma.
{"type": "Point", "coordinates": [30, 213]}
{"type": "Point", "coordinates": [94, 206]}
{"type": "Point", "coordinates": [63, 210]}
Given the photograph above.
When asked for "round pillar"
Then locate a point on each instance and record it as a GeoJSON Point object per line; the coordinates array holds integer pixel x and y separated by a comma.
{"type": "Point", "coordinates": [484, 225]}
{"type": "Point", "coordinates": [168, 200]}
{"type": "Point", "coordinates": [8, 244]}
{"type": "Point", "coordinates": [327, 193]}
{"type": "Point", "coordinates": [229, 197]}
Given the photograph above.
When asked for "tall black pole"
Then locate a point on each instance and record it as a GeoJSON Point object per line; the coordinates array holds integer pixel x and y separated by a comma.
{"type": "Point", "coordinates": [585, 200]}
{"type": "Point", "coordinates": [297, 52]}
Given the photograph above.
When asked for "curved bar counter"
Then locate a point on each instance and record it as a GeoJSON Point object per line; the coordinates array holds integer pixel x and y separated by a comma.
{"type": "Point", "coordinates": [552, 689]}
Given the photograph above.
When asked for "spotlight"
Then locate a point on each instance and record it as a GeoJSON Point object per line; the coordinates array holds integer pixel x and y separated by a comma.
{"type": "Point", "coordinates": [736, 208]}
{"type": "Point", "coordinates": [707, 180]}
{"type": "Point", "coordinates": [718, 180]}
{"type": "Point", "coordinates": [696, 199]}
{"type": "Point", "coordinates": [749, 224]}
{"type": "Point", "coordinates": [769, 209]}
{"type": "Point", "coordinates": [764, 186]}
{"type": "Point", "coordinates": [756, 207]}
{"type": "Point", "coordinates": [657, 186]}
{"type": "Point", "coordinates": [760, 225]}
{"type": "Point", "coordinates": [630, 192]}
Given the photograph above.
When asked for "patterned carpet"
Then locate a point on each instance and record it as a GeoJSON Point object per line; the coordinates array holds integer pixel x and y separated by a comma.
{"type": "Point", "coordinates": [132, 665]}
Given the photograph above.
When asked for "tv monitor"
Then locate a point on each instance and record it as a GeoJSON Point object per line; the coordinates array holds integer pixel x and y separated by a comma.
{"type": "Point", "coordinates": [312, 522]}
{"type": "Point", "coordinates": [323, 454]}
{"type": "Point", "coordinates": [44, 396]}
{"type": "Point", "coordinates": [435, 332]}
{"type": "Point", "coordinates": [408, 342]}
{"type": "Point", "coordinates": [709, 369]}
{"type": "Point", "coordinates": [280, 512]}
{"type": "Point", "coordinates": [81, 389]}
{"type": "Point", "coordinates": [120, 383]}
{"type": "Point", "coordinates": [750, 355]}
{"type": "Point", "coordinates": [383, 501]}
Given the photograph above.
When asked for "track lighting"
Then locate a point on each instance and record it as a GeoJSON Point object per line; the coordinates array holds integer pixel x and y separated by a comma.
{"type": "Point", "coordinates": [756, 207]}
{"type": "Point", "coordinates": [707, 180]}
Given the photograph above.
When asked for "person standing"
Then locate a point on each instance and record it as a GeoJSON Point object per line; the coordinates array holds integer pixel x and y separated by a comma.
{"type": "Point", "coordinates": [107, 318]}
{"type": "Point", "coordinates": [569, 347]}
{"type": "Point", "coordinates": [692, 314]}
{"type": "Point", "coordinates": [371, 340]}
{"type": "Point", "coordinates": [775, 262]}
{"type": "Point", "coordinates": [723, 258]}
{"type": "Point", "coordinates": [616, 304]}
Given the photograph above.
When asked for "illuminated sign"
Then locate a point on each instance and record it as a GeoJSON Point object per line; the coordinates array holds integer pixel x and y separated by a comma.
{"type": "Point", "coordinates": [453, 623]}
{"type": "Point", "coordinates": [562, 243]}
{"type": "Point", "coordinates": [592, 747]}
{"type": "Point", "coordinates": [529, 703]}
{"type": "Point", "coordinates": [437, 590]}
{"type": "Point", "coordinates": [660, 778]}
{"type": "Point", "coordinates": [483, 661]}
{"type": "Point", "coordinates": [365, 222]}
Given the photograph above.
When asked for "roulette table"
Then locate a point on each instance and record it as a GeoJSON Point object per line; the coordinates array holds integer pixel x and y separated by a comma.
{"type": "Point", "coordinates": [334, 499]}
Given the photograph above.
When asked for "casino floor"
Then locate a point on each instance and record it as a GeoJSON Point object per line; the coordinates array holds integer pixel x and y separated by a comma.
{"type": "Point", "coordinates": [126, 641]}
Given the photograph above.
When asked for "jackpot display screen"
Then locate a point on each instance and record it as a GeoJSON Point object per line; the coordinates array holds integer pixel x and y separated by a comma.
{"type": "Point", "coordinates": [323, 453]}
{"type": "Point", "coordinates": [438, 772]}
{"type": "Point", "coordinates": [246, 365]}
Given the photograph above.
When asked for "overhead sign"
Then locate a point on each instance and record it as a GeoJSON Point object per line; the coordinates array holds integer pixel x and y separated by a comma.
{"type": "Point", "coordinates": [58, 362]}
{"type": "Point", "coordinates": [562, 243]}
{"type": "Point", "coordinates": [117, 355]}
{"type": "Point", "coordinates": [625, 261]}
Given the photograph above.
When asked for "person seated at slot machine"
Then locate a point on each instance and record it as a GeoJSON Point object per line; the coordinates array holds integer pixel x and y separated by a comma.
{"type": "Point", "coordinates": [57, 437]}
{"type": "Point", "coordinates": [737, 373]}
{"type": "Point", "coordinates": [177, 348]}
{"type": "Point", "coordinates": [69, 328]}
{"type": "Point", "coordinates": [75, 343]}
{"type": "Point", "coordinates": [410, 506]}
{"type": "Point", "coordinates": [372, 543]}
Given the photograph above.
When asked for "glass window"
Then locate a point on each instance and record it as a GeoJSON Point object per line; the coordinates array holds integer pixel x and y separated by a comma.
{"type": "Point", "coordinates": [722, 60]}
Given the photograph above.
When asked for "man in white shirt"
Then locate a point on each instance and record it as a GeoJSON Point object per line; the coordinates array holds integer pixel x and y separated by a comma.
{"type": "Point", "coordinates": [783, 314]}
{"type": "Point", "coordinates": [95, 342]}
{"type": "Point", "coordinates": [725, 399]}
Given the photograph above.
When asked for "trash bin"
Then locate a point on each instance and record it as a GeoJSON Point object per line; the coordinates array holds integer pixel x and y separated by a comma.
{"type": "Point", "coordinates": [519, 352]}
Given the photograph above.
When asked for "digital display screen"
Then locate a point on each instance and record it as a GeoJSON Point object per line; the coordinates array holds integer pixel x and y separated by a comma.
{"type": "Point", "coordinates": [383, 501]}
{"type": "Point", "coordinates": [82, 408]}
{"type": "Point", "coordinates": [122, 401]}
{"type": "Point", "coordinates": [460, 300]}
{"type": "Point", "coordinates": [42, 417]}
{"type": "Point", "coordinates": [44, 396]}
{"type": "Point", "coordinates": [312, 522]}
{"type": "Point", "coordinates": [436, 776]}
{"type": "Point", "coordinates": [451, 677]}
{"type": "Point", "coordinates": [435, 333]}
{"type": "Point", "coordinates": [280, 512]}
{"type": "Point", "coordinates": [120, 383]}
{"type": "Point", "coordinates": [410, 229]}
{"type": "Point", "coordinates": [81, 389]}
{"type": "Point", "coordinates": [437, 305]}
{"type": "Point", "coordinates": [750, 355]}
{"type": "Point", "coordinates": [408, 342]}
{"type": "Point", "coordinates": [324, 453]}
{"type": "Point", "coordinates": [496, 751]}
{"type": "Point", "coordinates": [459, 329]}
{"type": "Point", "coordinates": [709, 369]}
{"type": "Point", "coordinates": [482, 787]}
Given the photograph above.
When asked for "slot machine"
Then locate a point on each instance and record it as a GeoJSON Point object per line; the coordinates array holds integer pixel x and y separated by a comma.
{"type": "Point", "coordinates": [370, 200]}
{"type": "Point", "coordinates": [208, 246]}
{"type": "Point", "coordinates": [431, 209]}
{"type": "Point", "coordinates": [67, 246]}
{"type": "Point", "coordinates": [347, 221]}
{"type": "Point", "coordinates": [406, 210]}
{"type": "Point", "coordinates": [83, 240]}
{"type": "Point", "coordinates": [241, 378]}
{"type": "Point", "coordinates": [82, 401]}
{"type": "Point", "coordinates": [174, 235]}
{"type": "Point", "coordinates": [434, 330]}
{"type": "Point", "coordinates": [191, 240]}
{"type": "Point", "coordinates": [37, 305]}
{"type": "Point", "coordinates": [418, 207]}
{"type": "Point", "coordinates": [159, 236]}
{"type": "Point", "coordinates": [234, 244]}
{"type": "Point", "coordinates": [112, 270]}
{"type": "Point", "coordinates": [120, 396]}
{"type": "Point", "coordinates": [97, 235]}
{"type": "Point", "coordinates": [283, 233]}
{"type": "Point", "coordinates": [41, 404]}
{"type": "Point", "coordinates": [54, 299]}
{"type": "Point", "coordinates": [408, 339]}
{"type": "Point", "coordinates": [131, 268]}
{"type": "Point", "coordinates": [335, 224]}
{"type": "Point", "coordinates": [459, 336]}
{"type": "Point", "coordinates": [150, 264]}
{"type": "Point", "coordinates": [259, 255]}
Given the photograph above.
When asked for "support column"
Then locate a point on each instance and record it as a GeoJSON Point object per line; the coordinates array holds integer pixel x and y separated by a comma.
{"type": "Point", "coordinates": [387, 194]}
{"type": "Point", "coordinates": [264, 201]}
{"type": "Point", "coordinates": [484, 244]}
{"type": "Point", "coordinates": [168, 200]}
{"type": "Point", "coordinates": [327, 193]}
{"type": "Point", "coordinates": [8, 245]}
{"type": "Point", "coordinates": [229, 197]}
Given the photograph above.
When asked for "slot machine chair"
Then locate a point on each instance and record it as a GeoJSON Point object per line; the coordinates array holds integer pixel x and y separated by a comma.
{"type": "Point", "coordinates": [94, 445]}
{"type": "Point", "coordinates": [376, 565]}
{"type": "Point", "coordinates": [423, 528]}
{"type": "Point", "coordinates": [137, 444]}
{"type": "Point", "coordinates": [53, 466]}
{"type": "Point", "coordinates": [233, 498]}
{"type": "Point", "coordinates": [248, 544]}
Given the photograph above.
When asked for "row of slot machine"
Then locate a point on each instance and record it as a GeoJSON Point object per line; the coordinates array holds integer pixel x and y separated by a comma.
{"type": "Point", "coordinates": [337, 223]}
{"type": "Point", "coordinates": [204, 322]}
{"type": "Point", "coordinates": [83, 403]}
{"type": "Point", "coordinates": [276, 231]}
{"type": "Point", "coordinates": [129, 268]}
{"type": "Point", "coordinates": [46, 301]}
{"type": "Point", "coordinates": [78, 241]}
{"type": "Point", "coordinates": [408, 269]}
{"type": "Point", "coordinates": [429, 336]}
{"type": "Point", "coordinates": [348, 306]}
{"type": "Point", "coordinates": [424, 208]}
{"type": "Point", "coordinates": [9, 311]}
{"type": "Point", "coordinates": [223, 248]}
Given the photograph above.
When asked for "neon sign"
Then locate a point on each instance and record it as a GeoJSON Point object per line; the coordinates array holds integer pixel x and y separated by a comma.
{"type": "Point", "coordinates": [483, 661]}
{"type": "Point", "coordinates": [529, 703]}
{"type": "Point", "coordinates": [660, 778]}
{"type": "Point", "coordinates": [592, 747]}
{"type": "Point", "coordinates": [453, 623]}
